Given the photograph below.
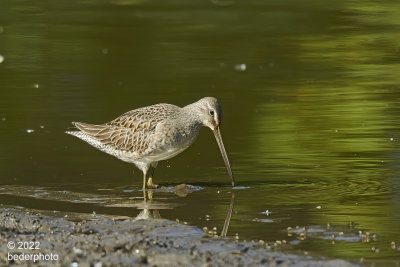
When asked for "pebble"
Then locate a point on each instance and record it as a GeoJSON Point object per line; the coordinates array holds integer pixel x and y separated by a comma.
{"type": "Point", "coordinates": [78, 251]}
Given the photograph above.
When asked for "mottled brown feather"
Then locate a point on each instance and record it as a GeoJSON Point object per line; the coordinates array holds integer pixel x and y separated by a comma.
{"type": "Point", "coordinates": [131, 131]}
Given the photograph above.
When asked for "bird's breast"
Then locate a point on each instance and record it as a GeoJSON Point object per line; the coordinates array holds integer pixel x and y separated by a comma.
{"type": "Point", "coordinates": [170, 140]}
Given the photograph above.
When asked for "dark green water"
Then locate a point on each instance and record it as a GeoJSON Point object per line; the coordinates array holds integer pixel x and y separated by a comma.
{"type": "Point", "coordinates": [310, 91]}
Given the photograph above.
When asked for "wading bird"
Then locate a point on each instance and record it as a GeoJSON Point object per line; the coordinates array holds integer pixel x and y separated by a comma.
{"type": "Point", "coordinates": [147, 135]}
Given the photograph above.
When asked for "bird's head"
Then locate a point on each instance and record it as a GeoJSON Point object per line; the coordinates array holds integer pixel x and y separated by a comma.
{"type": "Point", "coordinates": [210, 115]}
{"type": "Point", "coordinates": [210, 112]}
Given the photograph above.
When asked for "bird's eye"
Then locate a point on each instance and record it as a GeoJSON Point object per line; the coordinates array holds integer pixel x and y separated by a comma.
{"type": "Point", "coordinates": [212, 112]}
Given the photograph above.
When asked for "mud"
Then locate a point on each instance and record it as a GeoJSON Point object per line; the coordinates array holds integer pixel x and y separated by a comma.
{"type": "Point", "coordinates": [107, 242]}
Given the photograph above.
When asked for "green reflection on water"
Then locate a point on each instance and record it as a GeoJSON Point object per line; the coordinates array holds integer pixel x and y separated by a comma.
{"type": "Point", "coordinates": [310, 94]}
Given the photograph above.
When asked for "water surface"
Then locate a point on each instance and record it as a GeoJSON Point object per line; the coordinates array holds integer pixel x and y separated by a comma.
{"type": "Point", "coordinates": [310, 92]}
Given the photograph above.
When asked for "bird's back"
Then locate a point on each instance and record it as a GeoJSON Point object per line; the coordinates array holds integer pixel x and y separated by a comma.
{"type": "Point", "coordinates": [129, 134]}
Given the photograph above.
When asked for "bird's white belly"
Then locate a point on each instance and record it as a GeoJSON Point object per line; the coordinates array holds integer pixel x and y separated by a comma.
{"type": "Point", "coordinates": [161, 155]}
{"type": "Point", "coordinates": [169, 153]}
{"type": "Point", "coordinates": [173, 146]}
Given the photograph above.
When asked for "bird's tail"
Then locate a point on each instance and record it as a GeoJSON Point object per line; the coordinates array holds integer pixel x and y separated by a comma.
{"type": "Point", "coordinates": [73, 130]}
{"type": "Point", "coordinates": [83, 132]}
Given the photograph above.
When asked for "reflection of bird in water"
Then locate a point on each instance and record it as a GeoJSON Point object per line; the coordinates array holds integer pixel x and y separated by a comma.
{"type": "Point", "coordinates": [228, 216]}
{"type": "Point", "coordinates": [148, 214]}
{"type": "Point", "coordinates": [150, 209]}
{"type": "Point", "coordinates": [147, 135]}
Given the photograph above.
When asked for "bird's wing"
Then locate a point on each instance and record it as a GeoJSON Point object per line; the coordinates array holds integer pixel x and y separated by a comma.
{"type": "Point", "coordinates": [145, 118]}
{"type": "Point", "coordinates": [131, 131]}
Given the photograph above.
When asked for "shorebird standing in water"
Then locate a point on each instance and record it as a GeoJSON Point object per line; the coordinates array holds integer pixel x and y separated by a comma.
{"type": "Point", "coordinates": [147, 135]}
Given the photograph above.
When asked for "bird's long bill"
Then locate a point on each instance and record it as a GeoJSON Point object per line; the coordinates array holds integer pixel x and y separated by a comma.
{"type": "Point", "coordinates": [217, 135]}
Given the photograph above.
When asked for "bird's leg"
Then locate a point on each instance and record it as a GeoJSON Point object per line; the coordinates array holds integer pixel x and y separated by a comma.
{"type": "Point", "coordinates": [150, 194]}
{"type": "Point", "coordinates": [150, 181]}
{"type": "Point", "coordinates": [144, 183]}
{"type": "Point", "coordinates": [144, 195]}
{"type": "Point", "coordinates": [144, 180]}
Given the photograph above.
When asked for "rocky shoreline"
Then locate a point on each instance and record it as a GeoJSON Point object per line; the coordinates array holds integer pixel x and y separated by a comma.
{"type": "Point", "coordinates": [29, 239]}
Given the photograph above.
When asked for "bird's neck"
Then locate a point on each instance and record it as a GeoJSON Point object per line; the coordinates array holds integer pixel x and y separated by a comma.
{"type": "Point", "coordinates": [192, 114]}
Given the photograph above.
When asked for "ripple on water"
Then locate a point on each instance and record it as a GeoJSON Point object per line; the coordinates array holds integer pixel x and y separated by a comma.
{"type": "Point", "coordinates": [320, 232]}
{"type": "Point", "coordinates": [263, 220]}
{"type": "Point", "coordinates": [240, 187]}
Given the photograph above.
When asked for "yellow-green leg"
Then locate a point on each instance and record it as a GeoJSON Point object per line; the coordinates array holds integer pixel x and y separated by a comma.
{"type": "Point", "coordinates": [144, 181]}
{"type": "Point", "coordinates": [150, 194]}
{"type": "Point", "coordinates": [150, 184]}
{"type": "Point", "coordinates": [150, 181]}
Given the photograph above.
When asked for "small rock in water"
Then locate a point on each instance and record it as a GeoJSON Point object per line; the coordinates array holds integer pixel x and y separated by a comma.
{"type": "Point", "coordinates": [1, 58]}
{"type": "Point", "coordinates": [180, 190]}
{"type": "Point", "coordinates": [36, 85]}
{"type": "Point", "coordinates": [391, 138]}
{"type": "Point", "coordinates": [30, 131]}
{"type": "Point", "coordinates": [374, 249]}
{"type": "Point", "coordinates": [318, 207]}
{"type": "Point", "coordinates": [240, 67]}
{"type": "Point", "coordinates": [180, 187]}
